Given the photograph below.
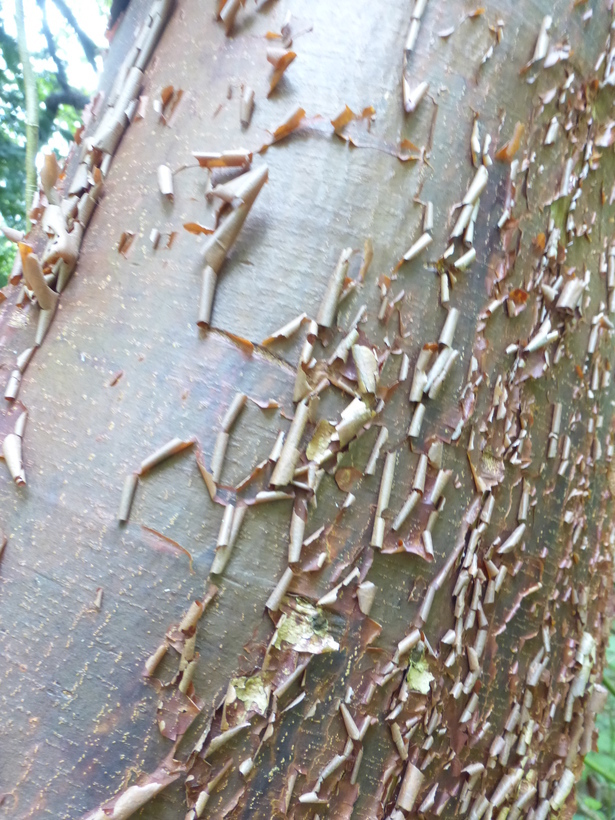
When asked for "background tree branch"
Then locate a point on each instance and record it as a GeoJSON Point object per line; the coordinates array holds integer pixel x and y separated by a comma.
{"type": "Point", "coordinates": [67, 95]}
{"type": "Point", "coordinates": [90, 49]}
{"type": "Point", "coordinates": [118, 7]}
{"type": "Point", "coordinates": [31, 94]}
{"type": "Point", "coordinates": [51, 46]}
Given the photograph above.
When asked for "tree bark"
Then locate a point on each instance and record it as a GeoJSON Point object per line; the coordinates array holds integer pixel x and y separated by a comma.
{"type": "Point", "coordinates": [447, 664]}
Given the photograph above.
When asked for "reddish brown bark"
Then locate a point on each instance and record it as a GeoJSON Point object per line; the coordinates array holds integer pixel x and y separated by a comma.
{"type": "Point", "coordinates": [447, 663]}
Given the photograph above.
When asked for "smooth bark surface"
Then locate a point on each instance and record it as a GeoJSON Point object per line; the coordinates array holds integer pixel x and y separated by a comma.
{"type": "Point", "coordinates": [125, 369]}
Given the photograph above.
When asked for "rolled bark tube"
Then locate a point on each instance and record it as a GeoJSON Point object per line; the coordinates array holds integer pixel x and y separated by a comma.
{"type": "Point", "coordinates": [413, 96]}
{"type": "Point", "coordinates": [171, 448]}
{"type": "Point", "coordinates": [417, 421]}
{"type": "Point", "coordinates": [343, 348]}
{"type": "Point", "coordinates": [49, 176]}
{"type": "Point", "coordinates": [418, 482]}
{"type": "Point", "coordinates": [110, 133]}
{"type": "Point", "coordinates": [187, 676]}
{"type": "Point", "coordinates": [223, 239]}
{"type": "Point", "coordinates": [277, 447]}
{"type": "Point", "coordinates": [223, 553]}
{"type": "Point", "coordinates": [246, 106]}
{"type": "Point", "coordinates": [354, 418]}
{"type": "Point", "coordinates": [477, 186]}
{"type": "Point", "coordinates": [297, 529]}
{"type": "Point", "coordinates": [287, 330]}
{"type": "Point", "coordinates": [12, 386]}
{"type": "Point", "coordinates": [448, 330]}
{"type": "Point", "coordinates": [152, 662]}
{"type": "Point", "coordinates": [128, 494]}
{"type": "Point", "coordinates": [225, 526]}
{"type": "Point", "coordinates": [206, 301]}
{"type": "Point", "coordinates": [421, 243]}
{"type": "Point", "coordinates": [229, 13]}
{"type": "Point", "coordinates": [217, 459]}
{"type": "Point", "coordinates": [81, 180]}
{"type": "Point", "coordinates": [419, 379]}
{"type": "Point", "coordinates": [366, 365]}
{"type": "Point", "coordinates": [45, 318]}
{"type": "Point", "coordinates": [33, 273]}
{"type": "Point", "coordinates": [156, 27]}
{"type": "Point", "coordinates": [65, 246]}
{"type": "Point", "coordinates": [12, 234]}
{"type": "Point", "coordinates": [330, 301]}
{"type": "Point", "coordinates": [12, 451]}
{"type": "Point", "coordinates": [20, 424]}
{"type": "Point", "coordinates": [366, 595]}
{"type": "Point", "coordinates": [65, 272]}
{"type": "Point", "coordinates": [405, 511]}
{"type": "Point", "coordinates": [240, 158]}
{"type": "Point", "coordinates": [381, 440]}
{"type": "Point", "coordinates": [235, 408]}
{"type": "Point", "coordinates": [349, 723]}
{"type": "Point", "coordinates": [285, 467]}
{"type": "Point", "coordinates": [130, 91]}
{"type": "Point", "coordinates": [275, 599]}
{"type": "Point", "coordinates": [193, 615]}
{"type": "Point", "coordinates": [410, 787]}
{"type": "Point", "coordinates": [86, 206]}
{"type": "Point", "coordinates": [165, 181]}
{"type": "Point", "coordinates": [386, 484]}
{"type": "Point", "coordinates": [266, 496]}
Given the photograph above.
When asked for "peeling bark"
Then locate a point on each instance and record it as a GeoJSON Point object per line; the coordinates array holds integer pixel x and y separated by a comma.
{"type": "Point", "coordinates": [382, 586]}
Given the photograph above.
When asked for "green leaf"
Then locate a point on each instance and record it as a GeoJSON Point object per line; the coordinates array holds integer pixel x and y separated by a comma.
{"type": "Point", "coordinates": [610, 686]}
{"type": "Point", "coordinates": [601, 764]}
{"type": "Point", "coordinates": [592, 803]}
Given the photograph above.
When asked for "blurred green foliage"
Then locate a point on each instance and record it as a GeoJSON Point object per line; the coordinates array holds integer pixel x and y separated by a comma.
{"type": "Point", "coordinates": [12, 130]}
{"type": "Point", "coordinates": [12, 146]}
{"type": "Point", "coordinates": [596, 791]}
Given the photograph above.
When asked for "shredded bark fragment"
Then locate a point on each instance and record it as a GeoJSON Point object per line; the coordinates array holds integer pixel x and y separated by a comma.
{"type": "Point", "coordinates": [223, 738]}
{"type": "Point", "coordinates": [287, 330]}
{"type": "Point", "coordinates": [171, 448]}
{"type": "Point", "coordinates": [228, 14]}
{"type": "Point", "coordinates": [509, 149]}
{"type": "Point", "coordinates": [239, 158]}
{"type": "Point", "coordinates": [280, 59]}
{"type": "Point", "coordinates": [165, 181]}
{"type": "Point", "coordinates": [135, 797]}
{"type": "Point", "coordinates": [410, 787]}
{"type": "Point", "coordinates": [413, 96]}
{"type": "Point", "coordinates": [421, 243]}
{"type": "Point", "coordinates": [287, 126]}
{"type": "Point", "coordinates": [152, 662]}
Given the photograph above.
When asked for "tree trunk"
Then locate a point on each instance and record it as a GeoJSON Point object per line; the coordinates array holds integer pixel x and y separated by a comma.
{"type": "Point", "coordinates": [340, 662]}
